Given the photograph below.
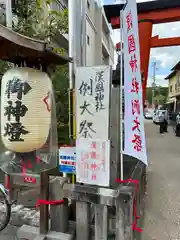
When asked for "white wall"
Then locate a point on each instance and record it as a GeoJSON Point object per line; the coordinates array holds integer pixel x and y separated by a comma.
{"type": "Point", "coordinates": [90, 48]}
{"type": "Point", "coordinates": [100, 49]}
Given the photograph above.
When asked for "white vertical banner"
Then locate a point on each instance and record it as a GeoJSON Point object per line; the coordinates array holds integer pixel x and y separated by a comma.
{"type": "Point", "coordinates": [134, 144]}
{"type": "Point", "coordinates": [92, 102]}
{"type": "Point", "coordinates": [93, 86]}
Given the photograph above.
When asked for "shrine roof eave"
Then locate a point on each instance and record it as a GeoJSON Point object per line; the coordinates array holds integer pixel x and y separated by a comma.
{"type": "Point", "coordinates": [113, 10]}
{"type": "Point", "coordinates": [14, 46]}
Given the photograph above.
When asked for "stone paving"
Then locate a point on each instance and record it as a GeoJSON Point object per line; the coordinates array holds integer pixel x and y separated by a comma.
{"type": "Point", "coordinates": [162, 215]}
{"type": "Point", "coordinates": [20, 215]}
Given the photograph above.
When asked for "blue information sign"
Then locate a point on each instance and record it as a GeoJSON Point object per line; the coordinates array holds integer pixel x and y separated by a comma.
{"type": "Point", "coordinates": [67, 160]}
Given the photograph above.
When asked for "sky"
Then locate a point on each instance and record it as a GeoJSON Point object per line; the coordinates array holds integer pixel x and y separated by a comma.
{"type": "Point", "coordinates": [165, 57]}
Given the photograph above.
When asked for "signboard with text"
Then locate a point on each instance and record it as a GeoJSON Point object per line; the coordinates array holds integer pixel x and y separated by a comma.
{"type": "Point", "coordinates": [135, 144]}
{"type": "Point", "coordinates": [92, 123]}
{"type": "Point", "coordinates": [93, 165]}
{"type": "Point", "coordinates": [92, 102]}
{"type": "Point", "coordinates": [67, 159]}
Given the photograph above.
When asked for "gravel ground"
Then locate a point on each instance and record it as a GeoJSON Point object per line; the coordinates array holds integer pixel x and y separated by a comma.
{"type": "Point", "coordinates": [162, 214]}
{"type": "Point", "coordinates": [10, 233]}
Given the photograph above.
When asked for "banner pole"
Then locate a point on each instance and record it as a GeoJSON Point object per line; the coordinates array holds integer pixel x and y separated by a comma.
{"type": "Point", "coordinates": [121, 94]}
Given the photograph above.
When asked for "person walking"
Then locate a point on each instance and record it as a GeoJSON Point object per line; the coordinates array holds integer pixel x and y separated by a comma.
{"type": "Point", "coordinates": [162, 121]}
{"type": "Point", "coordinates": [166, 119]}
{"type": "Point", "coordinates": [178, 125]}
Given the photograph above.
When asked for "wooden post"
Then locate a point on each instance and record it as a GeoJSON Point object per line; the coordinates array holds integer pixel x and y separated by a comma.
{"type": "Point", "coordinates": [59, 217]}
{"type": "Point", "coordinates": [115, 136]}
{"type": "Point", "coordinates": [44, 209]}
{"type": "Point", "coordinates": [129, 218]}
{"type": "Point", "coordinates": [82, 221]}
{"type": "Point", "coordinates": [59, 213]}
{"type": "Point", "coordinates": [101, 222]}
{"type": "Point", "coordinates": [120, 226]}
{"type": "Point", "coordinates": [114, 133]}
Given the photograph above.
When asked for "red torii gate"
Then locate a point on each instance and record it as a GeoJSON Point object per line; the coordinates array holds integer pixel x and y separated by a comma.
{"type": "Point", "coordinates": [149, 13]}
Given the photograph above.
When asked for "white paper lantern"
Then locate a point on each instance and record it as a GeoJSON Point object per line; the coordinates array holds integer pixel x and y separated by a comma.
{"type": "Point", "coordinates": [25, 109]}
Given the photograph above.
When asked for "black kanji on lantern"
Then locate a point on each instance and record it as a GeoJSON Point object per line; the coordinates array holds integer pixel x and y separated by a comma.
{"type": "Point", "coordinates": [17, 112]}
{"type": "Point", "coordinates": [86, 128]}
{"type": "Point", "coordinates": [86, 88]}
{"type": "Point", "coordinates": [18, 86]}
{"type": "Point", "coordinates": [14, 132]}
{"type": "Point", "coordinates": [99, 90]}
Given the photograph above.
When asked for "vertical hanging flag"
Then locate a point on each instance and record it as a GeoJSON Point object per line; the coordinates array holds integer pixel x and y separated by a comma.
{"type": "Point", "coordinates": [135, 144]}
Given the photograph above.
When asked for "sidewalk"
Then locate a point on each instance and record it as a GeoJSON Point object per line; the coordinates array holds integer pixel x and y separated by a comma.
{"type": "Point", "coordinates": [162, 215]}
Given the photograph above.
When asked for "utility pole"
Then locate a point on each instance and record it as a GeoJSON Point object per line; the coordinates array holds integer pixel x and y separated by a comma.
{"type": "Point", "coordinates": [154, 81]}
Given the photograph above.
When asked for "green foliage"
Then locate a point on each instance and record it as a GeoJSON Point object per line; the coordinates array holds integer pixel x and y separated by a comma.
{"type": "Point", "coordinates": [36, 19]}
{"type": "Point", "coordinates": [160, 94]}
{"type": "Point", "coordinates": [4, 66]}
{"type": "Point", "coordinates": [61, 83]}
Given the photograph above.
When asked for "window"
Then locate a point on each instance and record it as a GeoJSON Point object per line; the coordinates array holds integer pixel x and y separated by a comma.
{"type": "Point", "coordinates": [170, 88]}
{"type": "Point", "coordinates": [88, 40]}
{"type": "Point", "coordinates": [178, 78]}
{"type": "Point", "coordinates": [88, 5]}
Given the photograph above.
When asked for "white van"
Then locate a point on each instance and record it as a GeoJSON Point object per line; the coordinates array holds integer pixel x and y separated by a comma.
{"type": "Point", "coordinates": [149, 113]}
{"type": "Point", "coordinates": [156, 118]}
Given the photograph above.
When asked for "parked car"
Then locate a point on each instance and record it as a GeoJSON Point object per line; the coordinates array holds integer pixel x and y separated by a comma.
{"type": "Point", "coordinates": [156, 118]}
{"type": "Point", "coordinates": [149, 113]}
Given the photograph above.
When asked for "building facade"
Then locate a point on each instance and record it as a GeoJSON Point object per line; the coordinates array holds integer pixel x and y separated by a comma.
{"type": "Point", "coordinates": [100, 48]}
{"type": "Point", "coordinates": [174, 88]}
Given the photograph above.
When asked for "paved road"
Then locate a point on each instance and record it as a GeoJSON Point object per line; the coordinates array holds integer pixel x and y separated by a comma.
{"type": "Point", "coordinates": [162, 217]}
